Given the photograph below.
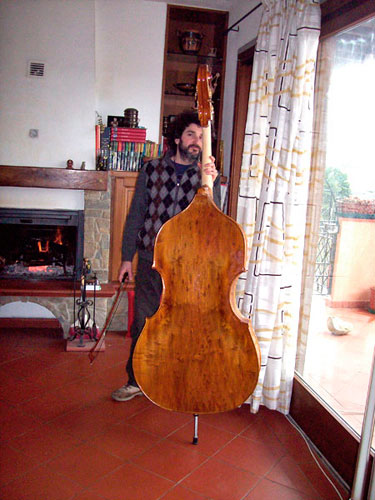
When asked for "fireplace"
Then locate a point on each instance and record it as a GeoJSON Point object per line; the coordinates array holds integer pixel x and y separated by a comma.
{"type": "Point", "coordinates": [41, 244]}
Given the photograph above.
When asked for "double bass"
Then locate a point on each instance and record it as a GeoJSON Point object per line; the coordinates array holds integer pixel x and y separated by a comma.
{"type": "Point", "coordinates": [197, 354]}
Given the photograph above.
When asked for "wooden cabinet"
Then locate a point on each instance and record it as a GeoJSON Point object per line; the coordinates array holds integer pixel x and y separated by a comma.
{"type": "Point", "coordinates": [180, 67]}
{"type": "Point", "coordinates": [123, 186]}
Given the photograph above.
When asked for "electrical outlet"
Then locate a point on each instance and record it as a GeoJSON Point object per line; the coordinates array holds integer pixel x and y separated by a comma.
{"type": "Point", "coordinates": [33, 133]}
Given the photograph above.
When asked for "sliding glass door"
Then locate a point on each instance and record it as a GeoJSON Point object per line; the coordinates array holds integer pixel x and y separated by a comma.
{"type": "Point", "coordinates": [338, 314]}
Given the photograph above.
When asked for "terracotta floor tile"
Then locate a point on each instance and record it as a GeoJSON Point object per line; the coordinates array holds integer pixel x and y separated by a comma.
{"type": "Point", "coordinates": [288, 473]}
{"type": "Point", "coordinates": [89, 421]}
{"type": "Point", "coordinates": [43, 443]}
{"type": "Point", "coordinates": [181, 493]}
{"type": "Point", "coordinates": [10, 351]}
{"type": "Point", "coordinates": [84, 391]}
{"type": "Point", "coordinates": [124, 441]}
{"type": "Point", "coordinates": [111, 377]}
{"type": "Point", "coordinates": [323, 485]}
{"type": "Point", "coordinates": [252, 456]}
{"type": "Point", "coordinates": [49, 405]}
{"type": "Point", "coordinates": [298, 449]}
{"type": "Point", "coordinates": [53, 377]}
{"type": "Point", "coordinates": [158, 421]}
{"type": "Point", "coordinates": [210, 439]}
{"type": "Point", "coordinates": [220, 480]}
{"type": "Point", "coordinates": [16, 390]}
{"type": "Point", "coordinates": [131, 483]}
{"type": "Point", "coordinates": [259, 431]}
{"type": "Point", "coordinates": [267, 490]}
{"type": "Point", "coordinates": [28, 366]}
{"type": "Point", "coordinates": [84, 464]}
{"type": "Point", "coordinates": [14, 464]}
{"type": "Point", "coordinates": [170, 460]}
{"type": "Point", "coordinates": [40, 483]}
{"type": "Point", "coordinates": [88, 495]}
{"type": "Point", "coordinates": [278, 423]}
{"type": "Point", "coordinates": [15, 422]}
{"type": "Point", "coordinates": [233, 421]}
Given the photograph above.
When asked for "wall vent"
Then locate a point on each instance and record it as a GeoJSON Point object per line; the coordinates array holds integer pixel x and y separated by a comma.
{"type": "Point", "coordinates": [36, 69]}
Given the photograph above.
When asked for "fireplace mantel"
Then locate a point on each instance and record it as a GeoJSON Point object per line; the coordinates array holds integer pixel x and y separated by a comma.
{"type": "Point", "coordinates": [58, 178]}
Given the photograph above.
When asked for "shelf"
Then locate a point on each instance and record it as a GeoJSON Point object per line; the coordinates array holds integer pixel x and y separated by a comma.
{"type": "Point", "coordinates": [193, 58]}
{"type": "Point", "coordinates": [53, 288]}
{"type": "Point", "coordinates": [181, 67]}
{"type": "Point", "coordinates": [58, 178]}
{"type": "Point", "coordinates": [175, 94]}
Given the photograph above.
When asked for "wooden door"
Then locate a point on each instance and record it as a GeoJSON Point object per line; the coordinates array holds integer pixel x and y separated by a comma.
{"type": "Point", "coordinates": [244, 70]}
{"type": "Point", "coordinates": [123, 186]}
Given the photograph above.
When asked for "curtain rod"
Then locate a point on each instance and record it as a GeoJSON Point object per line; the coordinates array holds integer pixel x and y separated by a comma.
{"type": "Point", "coordinates": [242, 18]}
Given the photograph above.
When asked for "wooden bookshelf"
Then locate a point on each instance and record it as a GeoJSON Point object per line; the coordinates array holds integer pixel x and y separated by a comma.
{"type": "Point", "coordinates": [180, 67]}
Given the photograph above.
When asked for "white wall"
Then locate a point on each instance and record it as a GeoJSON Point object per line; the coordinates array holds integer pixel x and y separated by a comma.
{"type": "Point", "coordinates": [60, 105]}
{"type": "Point", "coordinates": [103, 55]}
{"type": "Point", "coordinates": [130, 37]}
{"type": "Point", "coordinates": [236, 41]}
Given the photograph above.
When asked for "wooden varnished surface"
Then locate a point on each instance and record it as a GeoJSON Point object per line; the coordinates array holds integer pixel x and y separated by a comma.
{"type": "Point", "coordinates": [54, 288]}
{"type": "Point", "coordinates": [58, 178]}
{"type": "Point", "coordinates": [197, 354]}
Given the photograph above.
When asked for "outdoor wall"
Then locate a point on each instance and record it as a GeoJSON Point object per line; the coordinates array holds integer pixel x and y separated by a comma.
{"type": "Point", "coordinates": [354, 270]}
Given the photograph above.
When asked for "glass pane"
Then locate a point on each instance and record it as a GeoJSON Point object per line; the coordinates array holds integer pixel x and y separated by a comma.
{"type": "Point", "coordinates": [342, 322]}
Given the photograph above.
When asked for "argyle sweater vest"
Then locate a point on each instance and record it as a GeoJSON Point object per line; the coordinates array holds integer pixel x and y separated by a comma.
{"type": "Point", "coordinates": [166, 197]}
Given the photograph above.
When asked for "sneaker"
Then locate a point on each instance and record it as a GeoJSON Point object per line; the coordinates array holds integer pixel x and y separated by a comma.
{"type": "Point", "coordinates": [126, 392]}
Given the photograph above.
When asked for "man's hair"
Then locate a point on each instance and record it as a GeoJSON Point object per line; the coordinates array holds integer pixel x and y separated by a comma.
{"type": "Point", "coordinates": [178, 125]}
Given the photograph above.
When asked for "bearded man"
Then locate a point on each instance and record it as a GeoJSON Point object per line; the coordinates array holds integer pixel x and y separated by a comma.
{"type": "Point", "coordinates": [165, 186]}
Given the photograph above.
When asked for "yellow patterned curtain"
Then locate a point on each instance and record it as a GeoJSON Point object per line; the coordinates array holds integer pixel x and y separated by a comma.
{"type": "Point", "coordinates": [273, 188]}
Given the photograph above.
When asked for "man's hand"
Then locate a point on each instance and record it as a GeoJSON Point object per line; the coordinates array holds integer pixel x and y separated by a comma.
{"type": "Point", "coordinates": [126, 267]}
{"type": "Point", "coordinates": [210, 169]}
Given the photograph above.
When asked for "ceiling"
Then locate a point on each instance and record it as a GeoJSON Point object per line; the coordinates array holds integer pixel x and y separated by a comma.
{"type": "Point", "coordinates": [209, 4]}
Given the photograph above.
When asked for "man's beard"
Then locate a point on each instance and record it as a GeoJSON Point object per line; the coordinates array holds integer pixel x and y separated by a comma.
{"type": "Point", "coordinates": [187, 153]}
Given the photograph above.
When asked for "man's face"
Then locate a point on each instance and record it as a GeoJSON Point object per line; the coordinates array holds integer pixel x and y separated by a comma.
{"type": "Point", "coordinates": [190, 143]}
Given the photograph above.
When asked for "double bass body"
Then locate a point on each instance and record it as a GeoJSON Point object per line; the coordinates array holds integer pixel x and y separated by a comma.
{"type": "Point", "coordinates": [197, 354]}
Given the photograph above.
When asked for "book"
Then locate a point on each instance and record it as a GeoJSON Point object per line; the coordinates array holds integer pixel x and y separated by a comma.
{"type": "Point", "coordinates": [127, 134]}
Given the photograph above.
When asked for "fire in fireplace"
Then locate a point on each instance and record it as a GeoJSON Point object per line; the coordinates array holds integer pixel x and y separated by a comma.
{"type": "Point", "coordinates": [42, 244]}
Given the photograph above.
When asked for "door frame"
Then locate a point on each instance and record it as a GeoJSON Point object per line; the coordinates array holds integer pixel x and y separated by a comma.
{"type": "Point", "coordinates": [320, 423]}
{"type": "Point", "coordinates": [243, 80]}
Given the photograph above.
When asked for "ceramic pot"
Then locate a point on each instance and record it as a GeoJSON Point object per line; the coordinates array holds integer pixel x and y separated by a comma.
{"type": "Point", "coordinates": [190, 41]}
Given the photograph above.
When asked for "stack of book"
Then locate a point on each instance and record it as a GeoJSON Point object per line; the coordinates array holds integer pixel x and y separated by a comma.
{"type": "Point", "coordinates": [120, 148]}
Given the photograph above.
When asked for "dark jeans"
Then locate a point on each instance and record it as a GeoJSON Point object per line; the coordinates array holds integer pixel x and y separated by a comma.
{"type": "Point", "coordinates": [148, 288]}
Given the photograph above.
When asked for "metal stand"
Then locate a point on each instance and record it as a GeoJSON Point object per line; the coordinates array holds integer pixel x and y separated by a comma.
{"type": "Point", "coordinates": [83, 328]}
{"type": "Point", "coordinates": [195, 438]}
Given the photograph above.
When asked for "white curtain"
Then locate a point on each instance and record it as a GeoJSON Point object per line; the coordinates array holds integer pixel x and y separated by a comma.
{"type": "Point", "coordinates": [274, 186]}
